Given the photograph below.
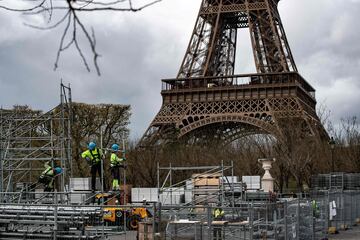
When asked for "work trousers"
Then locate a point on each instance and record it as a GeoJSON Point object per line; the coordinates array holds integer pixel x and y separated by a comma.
{"type": "Point", "coordinates": [48, 182]}
{"type": "Point", "coordinates": [95, 168]}
{"type": "Point", "coordinates": [115, 172]}
{"type": "Point", "coordinates": [217, 233]}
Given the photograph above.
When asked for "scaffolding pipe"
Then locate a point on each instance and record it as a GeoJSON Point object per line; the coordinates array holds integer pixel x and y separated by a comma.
{"type": "Point", "coordinates": [21, 128]}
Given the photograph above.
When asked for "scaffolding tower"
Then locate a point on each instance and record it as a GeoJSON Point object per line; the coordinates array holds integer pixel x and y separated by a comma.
{"type": "Point", "coordinates": [31, 138]}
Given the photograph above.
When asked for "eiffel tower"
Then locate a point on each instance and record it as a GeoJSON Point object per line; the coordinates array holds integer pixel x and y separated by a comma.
{"type": "Point", "coordinates": [207, 100]}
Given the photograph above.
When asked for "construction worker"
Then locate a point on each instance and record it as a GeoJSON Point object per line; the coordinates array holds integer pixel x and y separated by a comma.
{"type": "Point", "coordinates": [115, 164]}
{"type": "Point", "coordinates": [316, 209]}
{"type": "Point", "coordinates": [218, 215]}
{"type": "Point", "coordinates": [47, 177]}
{"type": "Point", "coordinates": [93, 156]}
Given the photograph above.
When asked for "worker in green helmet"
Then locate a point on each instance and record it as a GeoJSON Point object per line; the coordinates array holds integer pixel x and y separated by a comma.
{"type": "Point", "coordinates": [116, 163]}
{"type": "Point", "coordinates": [93, 156]}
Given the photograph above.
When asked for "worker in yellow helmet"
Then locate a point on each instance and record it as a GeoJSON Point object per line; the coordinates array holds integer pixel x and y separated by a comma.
{"type": "Point", "coordinates": [115, 164]}
{"type": "Point", "coordinates": [93, 156]}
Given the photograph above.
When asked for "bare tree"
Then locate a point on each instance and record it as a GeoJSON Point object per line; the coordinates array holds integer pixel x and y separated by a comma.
{"type": "Point", "coordinates": [66, 13]}
{"type": "Point", "coordinates": [346, 152]}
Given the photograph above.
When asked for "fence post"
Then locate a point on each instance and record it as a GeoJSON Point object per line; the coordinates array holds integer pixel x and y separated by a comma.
{"type": "Point", "coordinates": [352, 219]}
{"type": "Point", "coordinates": [325, 216]}
{"type": "Point", "coordinates": [357, 205]}
{"type": "Point", "coordinates": [251, 221]}
{"type": "Point", "coordinates": [343, 218]}
{"type": "Point", "coordinates": [328, 212]}
{"type": "Point", "coordinates": [313, 217]}
{"type": "Point", "coordinates": [209, 221]}
{"type": "Point", "coordinates": [154, 220]}
{"type": "Point", "coordinates": [298, 220]}
{"type": "Point", "coordinates": [275, 219]}
{"type": "Point", "coordinates": [55, 215]}
{"type": "Point", "coordinates": [267, 216]}
{"type": "Point", "coordinates": [285, 220]}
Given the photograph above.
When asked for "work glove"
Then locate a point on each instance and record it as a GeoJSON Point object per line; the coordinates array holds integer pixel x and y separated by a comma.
{"type": "Point", "coordinates": [88, 160]}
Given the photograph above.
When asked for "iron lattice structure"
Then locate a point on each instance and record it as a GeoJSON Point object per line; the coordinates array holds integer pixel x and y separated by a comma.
{"type": "Point", "coordinates": [207, 98]}
{"type": "Point", "coordinates": [30, 138]}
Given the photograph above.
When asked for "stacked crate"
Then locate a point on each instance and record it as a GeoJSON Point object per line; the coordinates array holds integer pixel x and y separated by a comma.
{"type": "Point", "coordinates": [206, 188]}
{"type": "Point", "coordinates": [80, 190]}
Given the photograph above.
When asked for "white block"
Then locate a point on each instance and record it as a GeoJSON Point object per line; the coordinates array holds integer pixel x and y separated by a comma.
{"type": "Point", "coordinates": [139, 194]}
{"type": "Point", "coordinates": [188, 196]}
{"type": "Point", "coordinates": [252, 182]}
{"type": "Point", "coordinates": [77, 198]}
{"type": "Point", "coordinates": [170, 199]}
{"type": "Point", "coordinates": [174, 190]}
{"type": "Point", "coordinates": [80, 184]}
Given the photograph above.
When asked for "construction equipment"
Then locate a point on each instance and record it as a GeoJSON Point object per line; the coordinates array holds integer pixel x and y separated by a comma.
{"type": "Point", "coordinates": [120, 216]}
{"type": "Point", "coordinates": [117, 216]}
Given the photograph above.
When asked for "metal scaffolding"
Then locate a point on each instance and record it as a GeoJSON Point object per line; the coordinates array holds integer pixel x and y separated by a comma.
{"type": "Point", "coordinates": [201, 193]}
{"type": "Point", "coordinates": [30, 138]}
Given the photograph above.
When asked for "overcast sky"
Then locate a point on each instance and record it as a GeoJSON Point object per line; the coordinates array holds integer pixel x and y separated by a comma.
{"type": "Point", "coordinates": [139, 49]}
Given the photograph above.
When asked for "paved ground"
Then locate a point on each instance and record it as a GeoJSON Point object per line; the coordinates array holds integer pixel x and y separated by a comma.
{"type": "Point", "coordinates": [351, 234]}
{"type": "Point", "coordinates": [129, 236]}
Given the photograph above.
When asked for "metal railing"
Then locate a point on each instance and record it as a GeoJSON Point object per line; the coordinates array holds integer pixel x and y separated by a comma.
{"type": "Point", "coordinates": [39, 215]}
{"type": "Point", "coordinates": [295, 219]}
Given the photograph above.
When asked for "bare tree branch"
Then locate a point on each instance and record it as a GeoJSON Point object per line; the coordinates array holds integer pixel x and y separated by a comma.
{"type": "Point", "coordinates": [68, 11]}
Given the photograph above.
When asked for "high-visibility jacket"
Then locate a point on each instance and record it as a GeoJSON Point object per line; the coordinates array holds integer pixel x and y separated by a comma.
{"type": "Point", "coordinates": [115, 160]}
{"type": "Point", "coordinates": [316, 209]}
{"type": "Point", "coordinates": [49, 171]}
{"type": "Point", "coordinates": [218, 214]}
{"type": "Point", "coordinates": [47, 176]}
{"type": "Point", "coordinates": [94, 155]}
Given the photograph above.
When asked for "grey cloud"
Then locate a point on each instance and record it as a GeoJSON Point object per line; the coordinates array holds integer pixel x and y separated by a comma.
{"type": "Point", "coordinates": [325, 45]}
{"type": "Point", "coordinates": [140, 49]}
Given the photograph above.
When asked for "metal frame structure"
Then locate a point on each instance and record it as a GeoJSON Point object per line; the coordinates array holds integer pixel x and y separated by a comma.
{"type": "Point", "coordinates": [40, 215]}
{"type": "Point", "coordinates": [169, 187]}
{"type": "Point", "coordinates": [31, 138]}
{"type": "Point", "coordinates": [208, 101]}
